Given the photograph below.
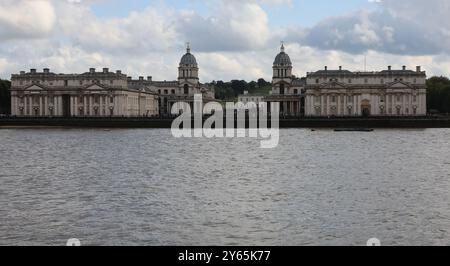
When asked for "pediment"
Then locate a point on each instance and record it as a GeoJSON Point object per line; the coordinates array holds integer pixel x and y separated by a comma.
{"type": "Point", "coordinates": [336, 85]}
{"type": "Point", "coordinates": [95, 87]}
{"type": "Point", "coordinates": [399, 85]}
{"type": "Point", "coordinates": [35, 87]}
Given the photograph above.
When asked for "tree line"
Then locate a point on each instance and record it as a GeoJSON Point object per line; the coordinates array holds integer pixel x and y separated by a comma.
{"type": "Point", "coordinates": [5, 97]}
{"type": "Point", "coordinates": [231, 89]}
{"type": "Point", "coordinates": [438, 95]}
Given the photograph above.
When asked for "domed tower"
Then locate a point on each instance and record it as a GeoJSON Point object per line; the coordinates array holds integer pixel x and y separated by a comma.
{"type": "Point", "coordinates": [282, 72]}
{"type": "Point", "coordinates": [188, 73]}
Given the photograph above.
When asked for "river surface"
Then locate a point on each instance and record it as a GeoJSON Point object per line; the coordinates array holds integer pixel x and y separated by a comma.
{"type": "Point", "coordinates": [145, 187]}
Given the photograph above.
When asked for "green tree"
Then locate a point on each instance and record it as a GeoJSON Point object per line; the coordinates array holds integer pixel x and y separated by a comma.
{"type": "Point", "coordinates": [438, 94]}
{"type": "Point", "coordinates": [5, 97]}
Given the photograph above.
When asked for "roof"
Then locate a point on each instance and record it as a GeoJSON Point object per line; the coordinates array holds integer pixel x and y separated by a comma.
{"type": "Point", "coordinates": [282, 59]}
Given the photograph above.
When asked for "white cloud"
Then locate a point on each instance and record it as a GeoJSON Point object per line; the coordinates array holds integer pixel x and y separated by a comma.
{"type": "Point", "coordinates": [235, 41]}
{"type": "Point", "coordinates": [26, 19]}
{"type": "Point", "coordinates": [235, 25]}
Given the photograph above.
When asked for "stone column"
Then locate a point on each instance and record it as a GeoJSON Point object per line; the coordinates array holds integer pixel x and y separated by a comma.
{"type": "Point", "coordinates": [338, 105]}
{"type": "Point", "coordinates": [40, 105]}
{"type": "Point", "coordinates": [25, 105]}
{"type": "Point", "coordinates": [75, 99]}
{"type": "Point", "coordinates": [102, 106]}
{"type": "Point", "coordinates": [46, 105]}
{"type": "Point", "coordinates": [13, 105]}
{"type": "Point", "coordinates": [91, 109]}
{"type": "Point", "coordinates": [30, 103]}
{"type": "Point", "coordinates": [85, 105]}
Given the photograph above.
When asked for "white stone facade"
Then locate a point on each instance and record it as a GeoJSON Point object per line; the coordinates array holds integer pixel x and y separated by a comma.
{"type": "Point", "coordinates": [384, 93]}
{"type": "Point", "coordinates": [246, 98]}
{"type": "Point", "coordinates": [286, 89]}
{"type": "Point", "coordinates": [181, 90]}
{"type": "Point", "coordinates": [95, 94]}
{"type": "Point", "coordinates": [104, 93]}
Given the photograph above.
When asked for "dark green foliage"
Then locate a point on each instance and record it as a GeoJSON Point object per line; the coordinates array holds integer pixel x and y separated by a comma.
{"type": "Point", "coordinates": [438, 94]}
{"type": "Point", "coordinates": [5, 97]}
{"type": "Point", "coordinates": [230, 90]}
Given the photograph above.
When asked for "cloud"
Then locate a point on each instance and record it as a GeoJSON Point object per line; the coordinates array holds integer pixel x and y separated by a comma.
{"type": "Point", "coordinates": [235, 26]}
{"type": "Point", "coordinates": [234, 40]}
{"type": "Point", "coordinates": [28, 19]}
{"type": "Point", "coordinates": [406, 27]}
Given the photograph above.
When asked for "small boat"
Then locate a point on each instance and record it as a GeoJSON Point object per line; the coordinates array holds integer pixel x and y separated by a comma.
{"type": "Point", "coordinates": [353, 130]}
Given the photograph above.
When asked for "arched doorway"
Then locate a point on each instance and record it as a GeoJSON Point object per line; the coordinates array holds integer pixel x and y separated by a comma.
{"type": "Point", "coordinates": [365, 108]}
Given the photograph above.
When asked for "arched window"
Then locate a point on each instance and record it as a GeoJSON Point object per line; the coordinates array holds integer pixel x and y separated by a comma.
{"type": "Point", "coordinates": [186, 89]}
{"type": "Point", "coordinates": [282, 89]}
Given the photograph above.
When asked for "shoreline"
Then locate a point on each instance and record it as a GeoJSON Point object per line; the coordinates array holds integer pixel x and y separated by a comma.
{"type": "Point", "coordinates": [356, 122]}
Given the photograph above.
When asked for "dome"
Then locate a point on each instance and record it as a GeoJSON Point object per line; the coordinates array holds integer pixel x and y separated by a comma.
{"type": "Point", "coordinates": [282, 58]}
{"type": "Point", "coordinates": [188, 58]}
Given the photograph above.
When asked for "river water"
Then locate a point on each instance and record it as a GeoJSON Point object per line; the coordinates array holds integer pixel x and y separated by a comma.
{"type": "Point", "coordinates": [145, 187]}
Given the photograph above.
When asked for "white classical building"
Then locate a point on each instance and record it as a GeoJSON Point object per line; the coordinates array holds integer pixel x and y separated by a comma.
{"type": "Point", "coordinates": [89, 94]}
{"type": "Point", "coordinates": [286, 88]}
{"type": "Point", "coordinates": [104, 93]}
{"type": "Point", "coordinates": [181, 90]}
{"type": "Point", "coordinates": [385, 93]}
{"type": "Point", "coordinates": [254, 98]}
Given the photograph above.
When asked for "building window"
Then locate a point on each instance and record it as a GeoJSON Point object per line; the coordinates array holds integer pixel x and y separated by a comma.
{"type": "Point", "coordinates": [333, 99]}
{"type": "Point", "coordinates": [66, 83]}
{"type": "Point", "coordinates": [349, 80]}
{"type": "Point", "coordinates": [350, 99]}
{"type": "Point", "coordinates": [186, 89]}
{"type": "Point", "coordinates": [398, 98]}
{"type": "Point", "coordinates": [295, 91]}
{"type": "Point", "coordinates": [173, 91]}
{"type": "Point", "coordinates": [166, 92]}
{"type": "Point", "coordinates": [415, 98]}
{"type": "Point", "coordinates": [366, 81]}
{"type": "Point", "coordinates": [282, 89]}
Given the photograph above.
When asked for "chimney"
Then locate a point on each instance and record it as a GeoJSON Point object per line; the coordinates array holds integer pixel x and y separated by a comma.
{"type": "Point", "coordinates": [33, 71]}
{"type": "Point", "coordinates": [141, 78]}
{"type": "Point", "coordinates": [46, 70]}
{"type": "Point", "coordinates": [119, 72]}
{"type": "Point", "coordinates": [92, 70]}
{"type": "Point", "coordinates": [149, 78]}
{"type": "Point", "coordinates": [105, 70]}
{"type": "Point", "coordinates": [326, 68]}
{"type": "Point", "coordinates": [340, 68]}
{"type": "Point", "coordinates": [418, 69]}
{"type": "Point", "coordinates": [129, 78]}
{"type": "Point", "coordinates": [404, 67]}
{"type": "Point", "coordinates": [389, 68]}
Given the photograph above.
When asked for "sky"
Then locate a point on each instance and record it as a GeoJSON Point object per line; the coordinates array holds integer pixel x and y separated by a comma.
{"type": "Point", "coordinates": [231, 39]}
